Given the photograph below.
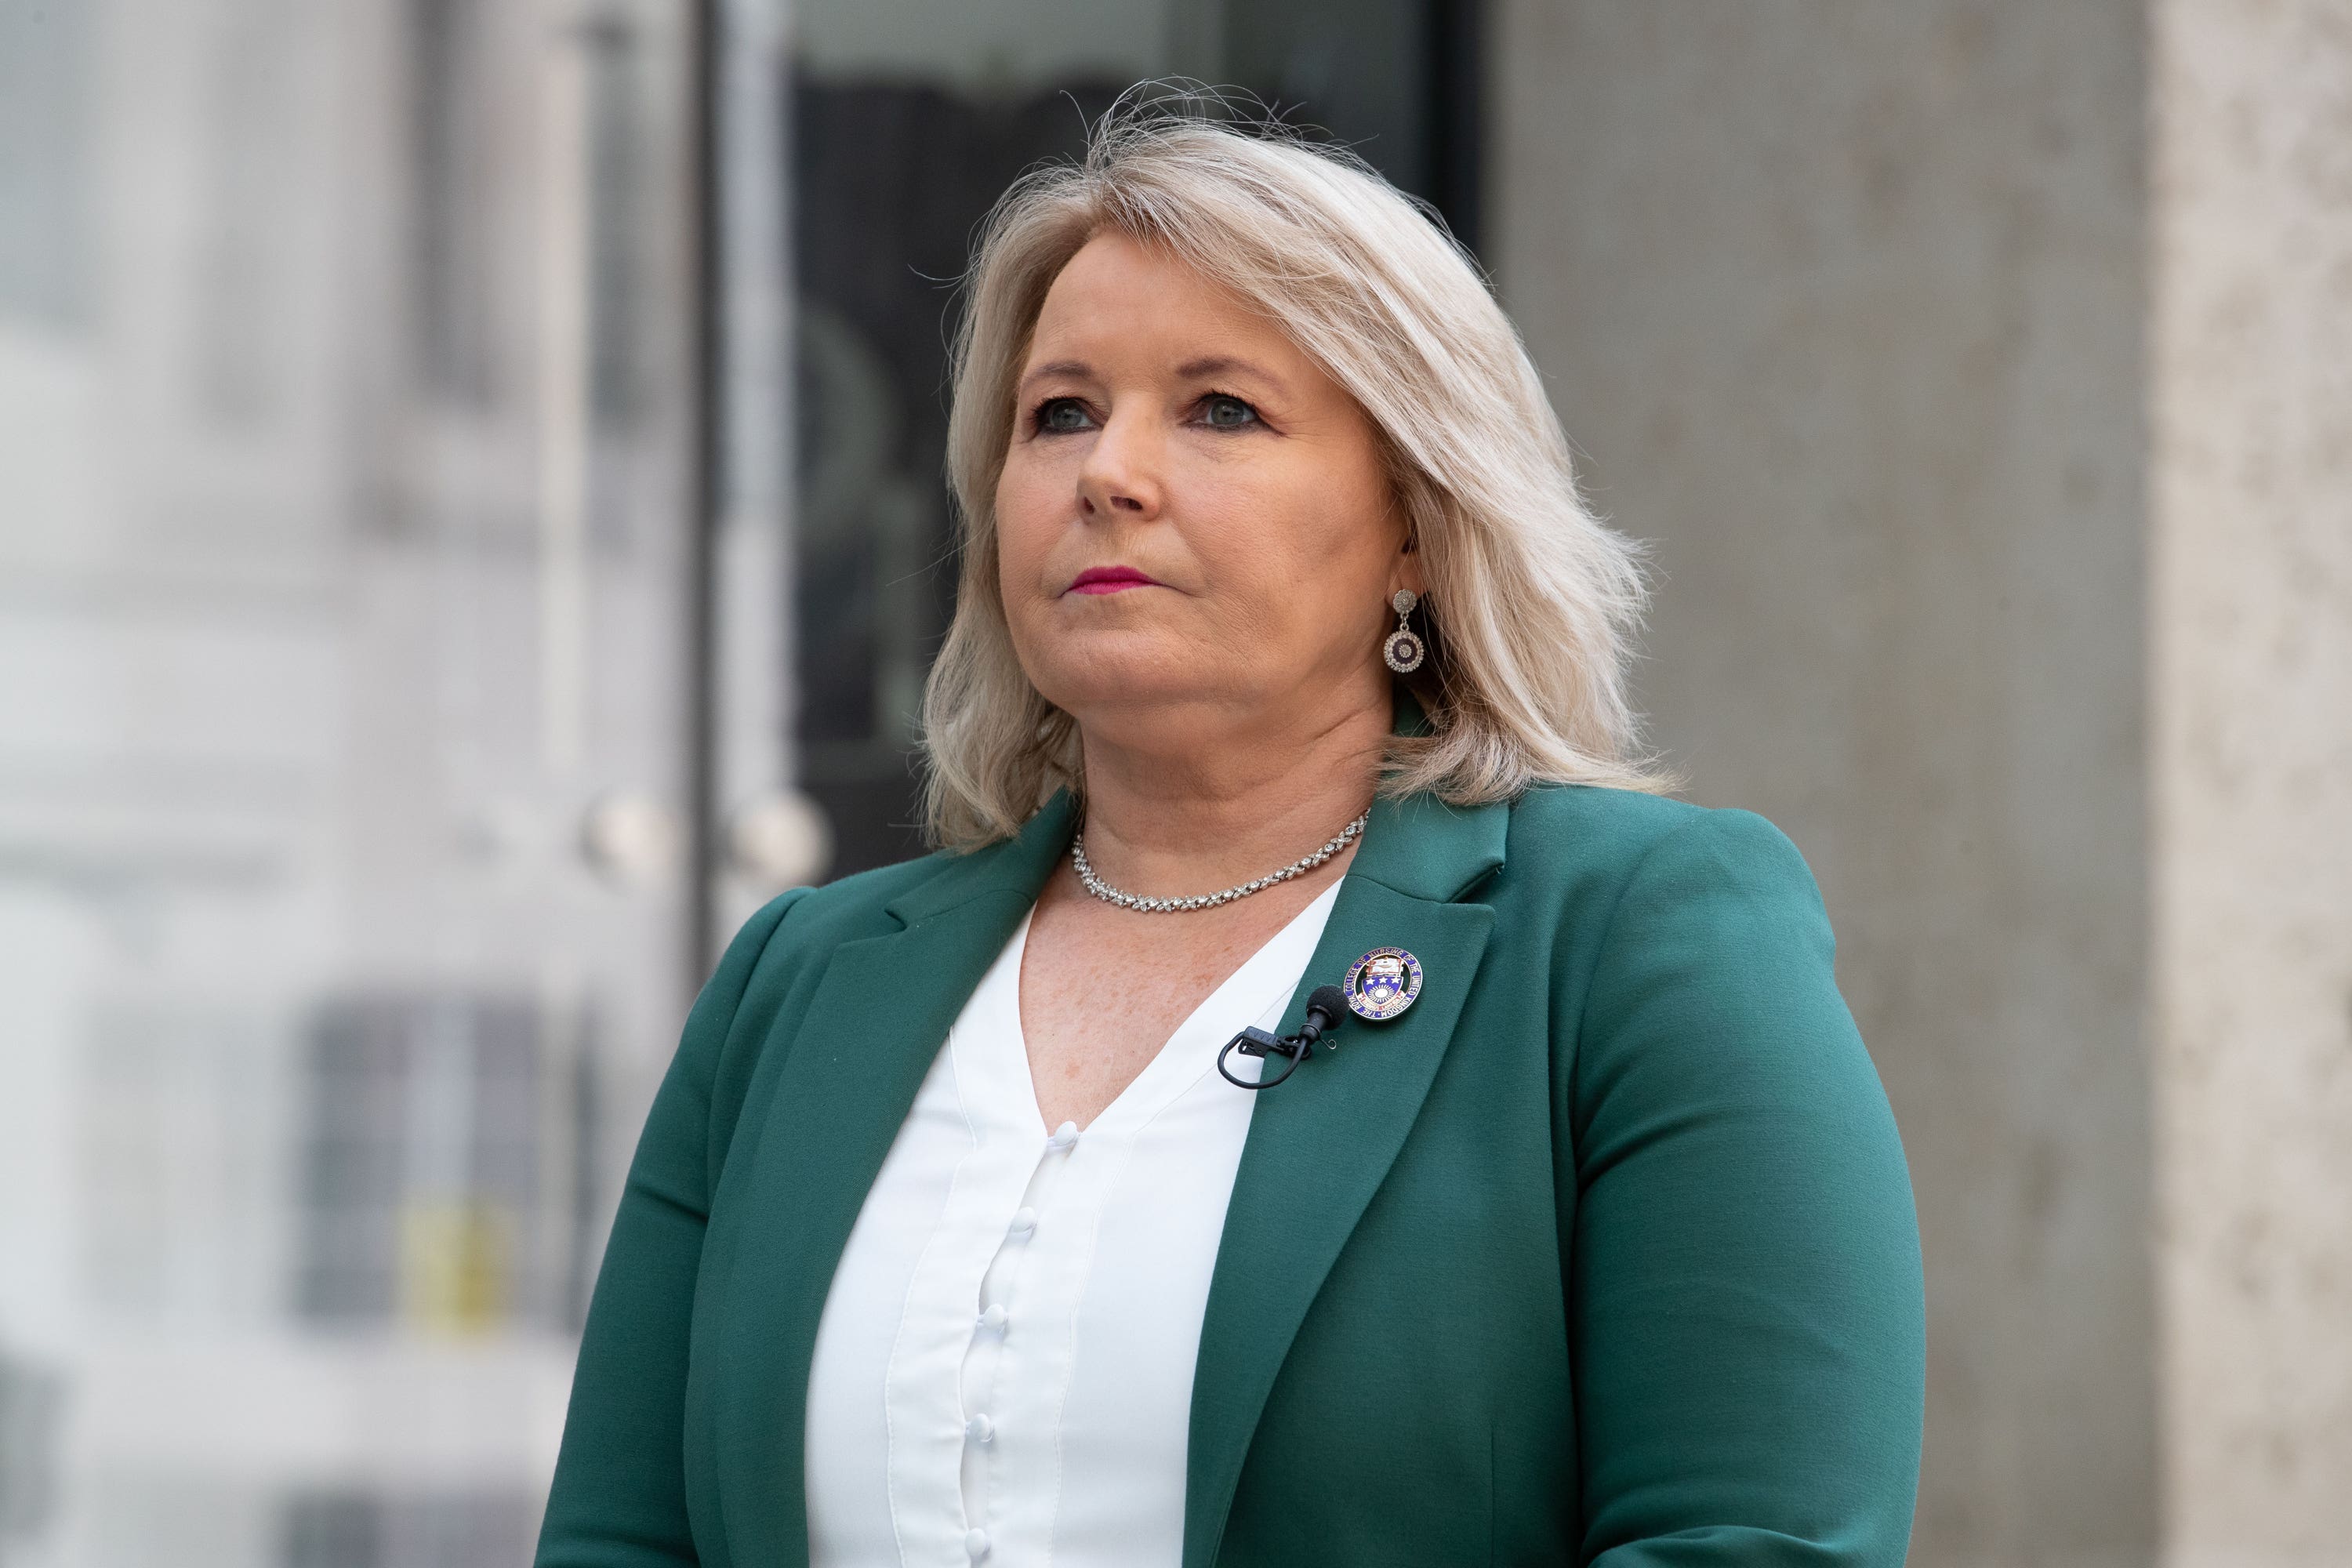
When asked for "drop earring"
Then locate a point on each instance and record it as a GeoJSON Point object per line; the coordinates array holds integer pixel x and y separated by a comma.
{"type": "Point", "coordinates": [1402, 650]}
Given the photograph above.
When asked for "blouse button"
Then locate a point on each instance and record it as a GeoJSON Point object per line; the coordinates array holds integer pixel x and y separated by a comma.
{"type": "Point", "coordinates": [1025, 1220]}
{"type": "Point", "coordinates": [993, 1318]}
{"type": "Point", "coordinates": [980, 1429]}
{"type": "Point", "coordinates": [1064, 1136]}
{"type": "Point", "coordinates": [975, 1544]}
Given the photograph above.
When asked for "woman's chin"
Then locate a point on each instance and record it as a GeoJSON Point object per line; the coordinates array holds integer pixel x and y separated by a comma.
{"type": "Point", "coordinates": [1104, 684]}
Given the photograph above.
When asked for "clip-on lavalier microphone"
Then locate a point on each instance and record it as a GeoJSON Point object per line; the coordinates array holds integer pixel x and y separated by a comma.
{"type": "Point", "coordinates": [1325, 1008]}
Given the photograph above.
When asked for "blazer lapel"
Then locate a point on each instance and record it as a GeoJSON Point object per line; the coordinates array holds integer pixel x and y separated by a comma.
{"type": "Point", "coordinates": [1319, 1146]}
{"type": "Point", "coordinates": [852, 1065]}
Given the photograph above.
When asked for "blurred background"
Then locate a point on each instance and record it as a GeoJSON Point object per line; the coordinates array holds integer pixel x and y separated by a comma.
{"type": "Point", "coordinates": [471, 529]}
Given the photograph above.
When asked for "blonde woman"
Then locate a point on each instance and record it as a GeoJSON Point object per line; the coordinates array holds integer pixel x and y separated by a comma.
{"type": "Point", "coordinates": [1320, 1105]}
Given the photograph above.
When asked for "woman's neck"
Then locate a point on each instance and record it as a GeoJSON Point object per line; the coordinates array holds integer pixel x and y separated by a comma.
{"type": "Point", "coordinates": [1228, 805]}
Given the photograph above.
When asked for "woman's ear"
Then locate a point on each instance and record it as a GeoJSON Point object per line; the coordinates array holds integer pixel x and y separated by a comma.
{"type": "Point", "coordinates": [1404, 567]}
{"type": "Point", "coordinates": [1405, 571]}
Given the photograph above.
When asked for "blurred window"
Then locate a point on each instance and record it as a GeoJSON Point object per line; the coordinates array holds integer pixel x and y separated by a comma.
{"type": "Point", "coordinates": [452, 186]}
{"type": "Point", "coordinates": [45, 148]}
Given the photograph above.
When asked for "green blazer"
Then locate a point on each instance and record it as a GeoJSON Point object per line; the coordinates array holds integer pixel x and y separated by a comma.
{"type": "Point", "coordinates": [1601, 1253]}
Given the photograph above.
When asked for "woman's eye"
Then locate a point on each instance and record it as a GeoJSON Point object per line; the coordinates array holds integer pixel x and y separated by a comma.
{"type": "Point", "coordinates": [1222, 412]}
{"type": "Point", "coordinates": [1061, 414]}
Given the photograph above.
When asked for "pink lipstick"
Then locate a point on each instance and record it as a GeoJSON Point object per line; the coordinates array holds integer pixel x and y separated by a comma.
{"type": "Point", "coordinates": [1110, 580]}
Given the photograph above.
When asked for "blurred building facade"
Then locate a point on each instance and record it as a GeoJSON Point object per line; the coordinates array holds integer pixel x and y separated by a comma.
{"type": "Point", "coordinates": [471, 525]}
{"type": "Point", "coordinates": [342, 678]}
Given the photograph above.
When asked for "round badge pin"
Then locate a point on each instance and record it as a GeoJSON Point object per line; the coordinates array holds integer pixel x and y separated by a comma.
{"type": "Point", "coordinates": [1383, 983]}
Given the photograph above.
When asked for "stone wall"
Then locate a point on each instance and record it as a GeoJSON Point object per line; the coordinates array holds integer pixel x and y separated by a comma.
{"type": "Point", "coordinates": [2250, 615]}
{"type": "Point", "coordinates": [1982, 375]}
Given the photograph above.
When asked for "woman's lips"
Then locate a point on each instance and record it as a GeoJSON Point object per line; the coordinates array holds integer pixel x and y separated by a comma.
{"type": "Point", "coordinates": [1110, 580]}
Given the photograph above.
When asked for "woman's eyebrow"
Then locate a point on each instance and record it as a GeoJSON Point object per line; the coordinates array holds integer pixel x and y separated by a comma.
{"type": "Point", "coordinates": [1226, 364]}
{"type": "Point", "coordinates": [1190, 369]}
{"type": "Point", "coordinates": [1053, 369]}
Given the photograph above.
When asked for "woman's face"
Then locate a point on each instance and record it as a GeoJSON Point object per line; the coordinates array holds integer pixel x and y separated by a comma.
{"type": "Point", "coordinates": [1194, 528]}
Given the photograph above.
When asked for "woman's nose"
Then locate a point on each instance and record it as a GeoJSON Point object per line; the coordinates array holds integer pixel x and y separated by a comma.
{"type": "Point", "coordinates": [1121, 475]}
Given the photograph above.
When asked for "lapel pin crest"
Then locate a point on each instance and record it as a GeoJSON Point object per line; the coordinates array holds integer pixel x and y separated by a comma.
{"type": "Point", "coordinates": [1383, 983]}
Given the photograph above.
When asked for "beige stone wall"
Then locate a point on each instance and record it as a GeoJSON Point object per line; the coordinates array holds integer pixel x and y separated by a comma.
{"type": "Point", "coordinates": [1982, 374]}
{"type": "Point", "coordinates": [1844, 307]}
{"type": "Point", "coordinates": [2252, 623]}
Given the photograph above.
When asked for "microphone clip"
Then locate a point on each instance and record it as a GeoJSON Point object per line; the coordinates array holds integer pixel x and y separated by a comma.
{"type": "Point", "coordinates": [1325, 1008]}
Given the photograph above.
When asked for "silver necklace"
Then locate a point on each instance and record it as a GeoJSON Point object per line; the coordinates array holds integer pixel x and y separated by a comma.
{"type": "Point", "coordinates": [1110, 895]}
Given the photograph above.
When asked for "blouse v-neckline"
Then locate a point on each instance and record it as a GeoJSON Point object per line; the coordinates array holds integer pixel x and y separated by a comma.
{"type": "Point", "coordinates": [1189, 1050]}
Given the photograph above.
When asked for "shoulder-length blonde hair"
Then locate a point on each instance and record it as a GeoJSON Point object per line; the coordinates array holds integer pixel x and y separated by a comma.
{"type": "Point", "coordinates": [1532, 601]}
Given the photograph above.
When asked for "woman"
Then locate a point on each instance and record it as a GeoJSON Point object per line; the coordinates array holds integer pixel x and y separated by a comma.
{"type": "Point", "coordinates": [1285, 656]}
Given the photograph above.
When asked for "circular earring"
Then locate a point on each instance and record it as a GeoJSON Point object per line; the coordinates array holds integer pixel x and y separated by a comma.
{"type": "Point", "coordinates": [1403, 650]}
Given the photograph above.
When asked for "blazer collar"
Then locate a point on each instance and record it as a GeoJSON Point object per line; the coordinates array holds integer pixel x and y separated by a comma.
{"type": "Point", "coordinates": [1319, 1146]}
{"type": "Point", "coordinates": [1019, 865]}
{"type": "Point", "coordinates": [1422, 847]}
{"type": "Point", "coordinates": [846, 1071]}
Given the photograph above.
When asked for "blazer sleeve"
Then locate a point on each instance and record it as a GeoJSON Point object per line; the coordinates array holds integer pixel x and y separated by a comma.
{"type": "Point", "coordinates": [1745, 1307]}
{"type": "Point", "coordinates": [619, 1495]}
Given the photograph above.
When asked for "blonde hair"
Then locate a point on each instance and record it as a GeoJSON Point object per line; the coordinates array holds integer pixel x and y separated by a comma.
{"type": "Point", "coordinates": [1532, 603]}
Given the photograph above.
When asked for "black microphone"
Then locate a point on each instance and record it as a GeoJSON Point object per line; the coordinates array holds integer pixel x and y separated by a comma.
{"type": "Point", "coordinates": [1325, 1006]}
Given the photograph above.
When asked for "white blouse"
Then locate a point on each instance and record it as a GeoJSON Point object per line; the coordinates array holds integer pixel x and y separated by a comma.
{"type": "Point", "coordinates": [1004, 1369]}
